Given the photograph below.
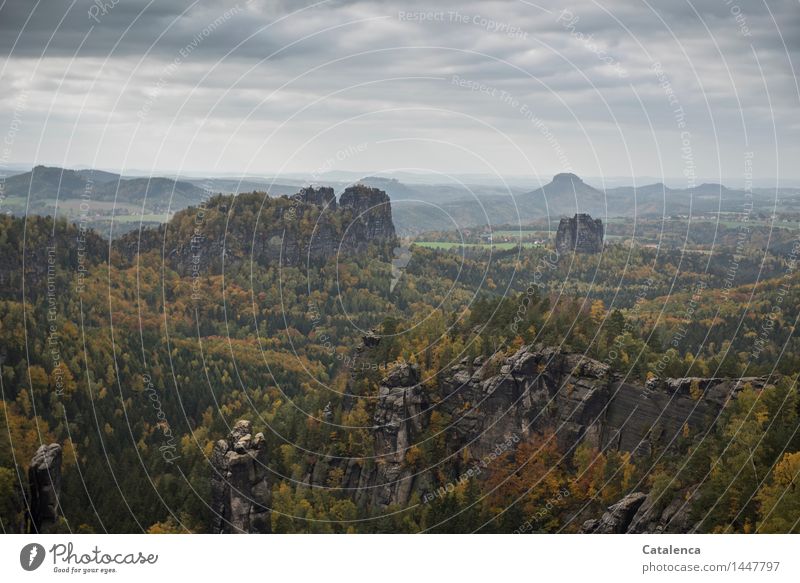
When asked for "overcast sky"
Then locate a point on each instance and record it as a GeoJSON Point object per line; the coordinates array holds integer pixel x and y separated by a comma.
{"type": "Point", "coordinates": [670, 88]}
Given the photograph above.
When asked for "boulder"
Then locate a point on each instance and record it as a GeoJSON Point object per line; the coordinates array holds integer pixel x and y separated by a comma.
{"type": "Point", "coordinates": [618, 517]}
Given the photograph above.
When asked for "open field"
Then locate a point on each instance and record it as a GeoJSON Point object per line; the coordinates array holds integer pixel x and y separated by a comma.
{"type": "Point", "coordinates": [450, 245]}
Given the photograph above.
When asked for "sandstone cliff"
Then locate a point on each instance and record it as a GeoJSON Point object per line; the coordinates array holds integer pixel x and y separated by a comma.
{"type": "Point", "coordinates": [491, 403]}
{"type": "Point", "coordinates": [44, 481]}
{"type": "Point", "coordinates": [308, 227]}
{"type": "Point", "coordinates": [537, 389]}
{"type": "Point", "coordinates": [240, 486]}
{"type": "Point", "coordinates": [581, 234]}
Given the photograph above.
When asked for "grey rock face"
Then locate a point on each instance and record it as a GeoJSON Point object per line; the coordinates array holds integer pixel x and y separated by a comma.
{"type": "Point", "coordinates": [618, 517]}
{"type": "Point", "coordinates": [503, 400]}
{"type": "Point", "coordinates": [533, 391]}
{"type": "Point", "coordinates": [399, 419]}
{"type": "Point", "coordinates": [322, 196]}
{"type": "Point", "coordinates": [370, 339]}
{"type": "Point", "coordinates": [44, 481]}
{"type": "Point", "coordinates": [240, 488]}
{"type": "Point", "coordinates": [308, 227]}
{"type": "Point", "coordinates": [371, 215]}
{"type": "Point", "coordinates": [327, 413]}
{"type": "Point", "coordinates": [639, 513]}
{"type": "Point", "coordinates": [537, 389]}
{"type": "Point", "coordinates": [666, 514]}
{"type": "Point", "coordinates": [581, 234]}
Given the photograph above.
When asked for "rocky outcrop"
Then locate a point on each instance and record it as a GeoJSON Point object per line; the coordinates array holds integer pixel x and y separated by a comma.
{"type": "Point", "coordinates": [401, 415]}
{"type": "Point", "coordinates": [618, 517]}
{"type": "Point", "coordinates": [487, 405]}
{"type": "Point", "coordinates": [44, 482]}
{"type": "Point", "coordinates": [665, 513]}
{"type": "Point", "coordinates": [240, 485]}
{"type": "Point", "coordinates": [322, 196]}
{"type": "Point", "coordinates": [308, 227]}
{"type": "Point", "coordinates": [400, 418]}
{"type": "Point", "coordinates": [371, 215]}
{"type": "Point", "coordinates": [581, 234]}
{"type": "Point", "coordinates": [533, 390]}
{"type": "Point", "coordinates": [371, 339]}
{"type": "Point", "coordinates": [536, 390]}
{"type": "Point", "coordinates": [645, 513]}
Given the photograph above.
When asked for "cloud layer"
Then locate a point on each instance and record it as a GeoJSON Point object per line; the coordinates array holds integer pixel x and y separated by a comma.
{"type": "Point", "coordinates": [616, 88]}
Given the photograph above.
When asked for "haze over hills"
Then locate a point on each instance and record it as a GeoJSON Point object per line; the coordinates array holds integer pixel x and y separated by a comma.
{"type": "Point", "coordinates": [568, 194]}
{"type": "Point", "coordinates": [39, 189]}
{"type": "Point", "coordinates": [418, 207]}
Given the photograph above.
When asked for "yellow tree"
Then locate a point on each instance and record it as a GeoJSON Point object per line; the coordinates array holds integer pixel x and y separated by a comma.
{"type": "Point", "coordinates": [779, 498]}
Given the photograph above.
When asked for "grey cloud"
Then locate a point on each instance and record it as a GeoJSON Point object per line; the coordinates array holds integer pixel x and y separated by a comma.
{"type": "Point", "coordinates": [553, 69]}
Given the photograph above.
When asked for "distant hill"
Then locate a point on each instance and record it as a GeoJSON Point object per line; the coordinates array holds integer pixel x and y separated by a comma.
{"type": "Point", "coordinates": [431, 207]}
{"type": "Point", "coordinates": [567, 194]}
{"type": "Point", "coordinates": [44, 182]}
{"type": "Point", "coordinates": [162, 193]}
{"type": "Point", "coordinates": [237, 186]}
{"type": "Point", "coordinates": [43, 185]}
{"type": "Point", "coordinates": [98, 175]}
{"type": "Point", "coordinates": [417, 207]}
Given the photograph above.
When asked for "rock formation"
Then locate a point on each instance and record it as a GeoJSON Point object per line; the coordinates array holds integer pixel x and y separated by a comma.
{"type": "Point", "coordinates": [44, 482]}
{"type": "Point", "coordinates": [371, 215]}
{"type": "Point", "coordinates": [618, 517]}
{"type": "Point", "coordinates": [645, 513]}
{"type": "Point", "coordinates": [308, 227]}
{"type": "Point", "coordinates": [581, 234]}
{"type": "Point", "coordinates": [537, 389]}
{"type": "Point", "coordinates": [489, 402]}
{"type": "Point", "coordinates": [240, 485]}
{"type": "Point", "coordinates": [322, 196]}
{"type": "Point", "coordinates": [399, 420]}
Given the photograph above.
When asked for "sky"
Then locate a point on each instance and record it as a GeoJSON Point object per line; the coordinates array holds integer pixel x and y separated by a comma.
{"type": "Point", "coordinates": [688, 90]}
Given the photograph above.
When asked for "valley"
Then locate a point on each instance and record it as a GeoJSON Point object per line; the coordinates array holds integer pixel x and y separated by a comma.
{"type": "Point", "coordinates": [366, 388]}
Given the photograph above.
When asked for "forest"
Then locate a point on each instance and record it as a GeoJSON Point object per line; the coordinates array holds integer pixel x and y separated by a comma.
{"type": "Point", "coordinates": [137, 366]}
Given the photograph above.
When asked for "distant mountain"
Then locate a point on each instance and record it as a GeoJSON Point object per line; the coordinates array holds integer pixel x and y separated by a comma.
{"type": "Point", "coordinates": [161, 193]}
{"type": "Point", "coordinates": [567, 194]}
{"type": "Point", "coordinates": [44, 182]}
{"type": "Point", "coordinates": [98, 176]}
{"type": "Point", "coordinates": [43, 185]}
{"type": "Point", "coordinates": [416, 207]}
{"type": "Point", "coordinates": [659, 200]}
{"type": "Point", "coordinates": [393, 187]}
{"type": "Point", "coordinates": [432, 207]}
